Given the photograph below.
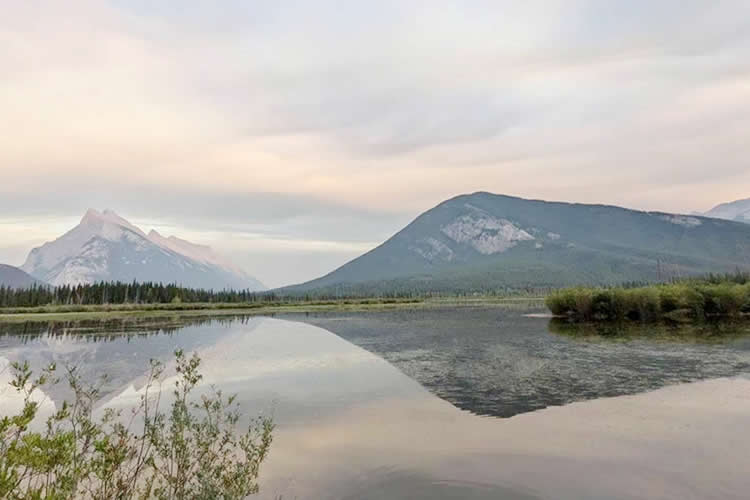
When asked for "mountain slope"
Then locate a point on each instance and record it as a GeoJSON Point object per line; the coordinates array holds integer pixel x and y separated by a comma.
{"type": "Point", "coordinates": [15, 278]}
{"type": "Point", "coordinates": [106, 247]}
{"type": "Point", "coordinates": [486, 241]}
{"type": "Point", "coordinates": [736, 210]}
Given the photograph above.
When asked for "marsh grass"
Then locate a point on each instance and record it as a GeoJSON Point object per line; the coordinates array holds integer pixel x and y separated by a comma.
{"type": "Point", "coordinates": [682, 301]}
{"type": "Point", "coordinates": [199, 306]}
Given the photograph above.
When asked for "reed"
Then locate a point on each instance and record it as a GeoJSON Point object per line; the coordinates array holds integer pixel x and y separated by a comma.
{"type": "Point", "coordinates": [687, 300]}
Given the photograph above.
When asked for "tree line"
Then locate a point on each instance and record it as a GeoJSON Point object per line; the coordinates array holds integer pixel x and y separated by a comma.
{"type": "Point", "coordinates": [117, 292]}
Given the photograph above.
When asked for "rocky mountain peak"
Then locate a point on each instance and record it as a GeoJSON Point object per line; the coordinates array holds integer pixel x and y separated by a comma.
{"type": "Point", "coordinates": [106, 246]}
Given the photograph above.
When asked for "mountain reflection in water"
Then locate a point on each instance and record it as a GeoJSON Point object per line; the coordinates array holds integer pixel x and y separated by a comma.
{"type": "Point", "coordinates": [351, 424]}
{"type": "Point", "coordinates": [497, 361]}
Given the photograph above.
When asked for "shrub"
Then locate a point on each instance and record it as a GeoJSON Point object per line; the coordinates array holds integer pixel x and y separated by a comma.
{"type": "Point", "coordinates": [583, 300]}
{"type": "Point", "coordinates": [561, 303]}
{"type": "Point", "coordinates": [726, 298]}
{"type": "Point", "coordinates": [692, 300]}
{"type": "Point", "coordinates": [632, 303]}
{"type": "Point", "coordinates": [649, 304]}
{"type": "Point", "coordinates": [190, 452]}
{"type": "Point", "coordinates": [622, 304]}
{"type": "Point", "coordinates": [746, 304]}
{"type": "Point", "coordinates": [602, 304]}
{"type": "Point", "coordinates": [670, 298]}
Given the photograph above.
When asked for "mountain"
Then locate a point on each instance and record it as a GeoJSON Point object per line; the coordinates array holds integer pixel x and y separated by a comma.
{"type": "Point", "coordinates": [106, 247]}
{"type": "Point", "coordinates": [15, 278]}
{"type": "Point", "coordinates": [736, 210]}
{"type": "Point", "coordinates": [485, 241]}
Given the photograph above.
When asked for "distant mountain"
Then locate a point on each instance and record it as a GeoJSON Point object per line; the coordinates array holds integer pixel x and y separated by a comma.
{"type": "Point", "coordinates": [106, 247]}
{"type": "Point", "coordinates": [736, 210]}
{"type": "Point", "coordinates": [485, 241]}
{"type": "Point", "coordinates": [15, 278]}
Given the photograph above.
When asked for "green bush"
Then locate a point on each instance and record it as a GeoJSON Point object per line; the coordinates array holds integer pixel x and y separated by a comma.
{"type": "Point", "coordinates": [622, 304]}
{"type": "Point", "coordinates": [190, 452]}
{"type": "Point", "coordinates": [603, 304]}
{"type": "Point", "coordinates": [560, 303]}
{"type": "Point", "coordinates": [584, 303]}
{"type": "Point", "coordinates": [692, 300]}
{"type": "Point", "coordinates": [670, 298]}
{"type": "Point", "coordinates": [746, 305]}
{"type": "Point", "coordinates": [725, 298]}
{"type": "Point", "coordinates": [649, 304]}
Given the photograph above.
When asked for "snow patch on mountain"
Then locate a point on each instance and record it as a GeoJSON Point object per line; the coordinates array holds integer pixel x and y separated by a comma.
{"type": "Point", "coordinates": [91, 265]}
{"type": "Point", "coordinates": [682, 220]}
{"type": "Point", "coordinates": [432, 249]}
{"type": "Point", "coordinates": [110, 220]}
{"type": "Point", "coordinates": [107, 225]}
{"type": "Point", "coordinates": [485, 233]}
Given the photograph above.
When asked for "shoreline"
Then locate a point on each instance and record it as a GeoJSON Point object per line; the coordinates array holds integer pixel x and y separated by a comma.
{"type": "Point", "coordinates": [117, 311]}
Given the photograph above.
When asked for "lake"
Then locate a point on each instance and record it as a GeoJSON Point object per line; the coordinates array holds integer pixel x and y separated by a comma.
{"type": "Point", "coordinates": [413, 403]}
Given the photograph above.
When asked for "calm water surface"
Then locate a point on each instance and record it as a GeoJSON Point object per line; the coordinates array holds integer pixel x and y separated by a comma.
{"type": "Point", "coordinates": [500, 362]}
{"type": "Point", "coordinates": [382, 405]}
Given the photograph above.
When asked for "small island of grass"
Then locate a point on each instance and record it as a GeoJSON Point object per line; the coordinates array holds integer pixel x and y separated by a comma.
{"type": "Point", "coordinates": [688, 300]}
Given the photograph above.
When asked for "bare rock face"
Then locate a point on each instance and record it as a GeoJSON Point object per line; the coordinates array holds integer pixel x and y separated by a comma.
{"type": "Point", "coordinates": [106, 247]}
{"type": "Point", "coordinates": [682, 220]}
{"type": "Point", "coordinates": [432, 249]}
{"type": "Point", "coordinates": [483, 232]}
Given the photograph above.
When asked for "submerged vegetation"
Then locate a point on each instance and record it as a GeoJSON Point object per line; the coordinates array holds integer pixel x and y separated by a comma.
{"type": "Point", "coordinates": [696, 332]}
{"type": "Point", "coordinates": [694, 299]}
{"type": "Point", "coordinates": [191, 451]}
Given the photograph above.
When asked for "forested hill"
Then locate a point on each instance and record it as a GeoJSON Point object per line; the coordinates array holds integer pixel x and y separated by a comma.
{"type": "Point", "coordinates": [485, 241]}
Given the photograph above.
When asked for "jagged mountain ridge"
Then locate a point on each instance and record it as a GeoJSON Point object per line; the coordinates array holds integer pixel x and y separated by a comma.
{"type": "Point", "coordinates": [485, 241]}
{"type": "Point", "coordinates": [13, 277]}
{"type": "Point", "coordinates": [106, 247]}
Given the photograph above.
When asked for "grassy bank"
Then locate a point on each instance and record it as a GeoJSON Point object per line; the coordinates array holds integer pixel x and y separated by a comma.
{"type": "Point", "coordinates": [685, 301]}
{"type": "Point", "coordinates": [105, 311]}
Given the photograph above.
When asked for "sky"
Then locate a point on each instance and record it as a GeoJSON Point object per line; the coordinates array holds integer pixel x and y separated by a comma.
{"type": "Point", "coordinates": [293, 136]}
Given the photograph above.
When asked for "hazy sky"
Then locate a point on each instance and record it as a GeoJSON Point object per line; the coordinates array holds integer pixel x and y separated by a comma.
{"type": "Point", "coordinates": [293, 136]}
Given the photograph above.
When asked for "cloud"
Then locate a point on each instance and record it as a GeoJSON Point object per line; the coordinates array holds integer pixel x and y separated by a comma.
{"type": "Point", "coordinates": [327, 122]}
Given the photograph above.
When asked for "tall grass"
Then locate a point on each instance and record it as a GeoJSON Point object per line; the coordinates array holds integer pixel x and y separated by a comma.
{"type": "Point", "coordinates": [694, 299]}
